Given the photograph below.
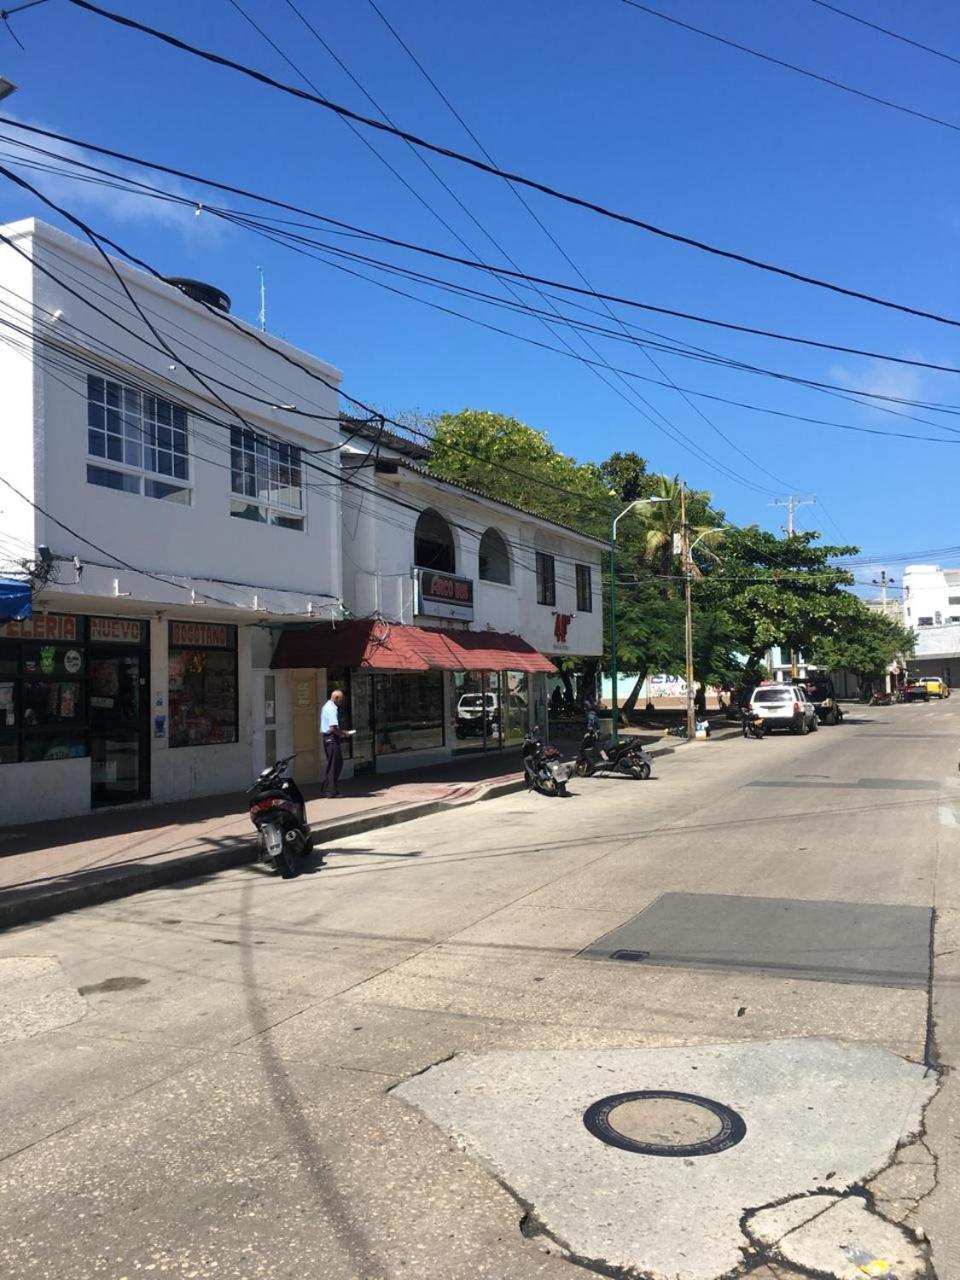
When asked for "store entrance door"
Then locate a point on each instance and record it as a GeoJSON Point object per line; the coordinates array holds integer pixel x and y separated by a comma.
{"type": "Point", "coordinates": [306, 727]}
{"type": "Point", "coordinates": [119, 713]}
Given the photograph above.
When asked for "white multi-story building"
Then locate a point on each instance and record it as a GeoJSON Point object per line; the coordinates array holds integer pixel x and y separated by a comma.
{"type": "Point", "coordinates": [931, 608]}
{"type": "Point", "coordinates": [457, 599]}
{"type": "Point", "coordinates": [179, 475]}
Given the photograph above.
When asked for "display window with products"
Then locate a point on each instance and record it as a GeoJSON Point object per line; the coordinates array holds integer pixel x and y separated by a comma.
{"type": "Point", "coordinates": [203, 685]}
{"type": "Point", "coordinates": [71, 686]}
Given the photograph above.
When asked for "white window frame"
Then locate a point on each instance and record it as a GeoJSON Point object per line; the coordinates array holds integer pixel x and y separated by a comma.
{"type": "Point", "coordinates": [144, 475]}
{"type": "Point", "coordinates": [272, 509]}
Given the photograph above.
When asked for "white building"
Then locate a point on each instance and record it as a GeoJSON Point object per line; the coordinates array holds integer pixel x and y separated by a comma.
{"type": "Point", "coordinates": [457, 598]}
{"type": "Point", "coordinates": [931, 607]}
{"type": "Point", "coordinates": [189, 526]}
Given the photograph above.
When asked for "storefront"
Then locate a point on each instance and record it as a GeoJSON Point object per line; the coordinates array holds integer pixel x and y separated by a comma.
{"type": "Point", "coordinates": [416, 695]}
{"type": "Point", "coordinates": [203, 684]}
{"type": "Point", "coordinates": [73, 687]}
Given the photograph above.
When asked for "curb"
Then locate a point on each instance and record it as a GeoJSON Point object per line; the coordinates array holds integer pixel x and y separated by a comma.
{"type": "Point", "coordinates": [29, 904]}
{"type": "Point", "coordinates": [26, 905]}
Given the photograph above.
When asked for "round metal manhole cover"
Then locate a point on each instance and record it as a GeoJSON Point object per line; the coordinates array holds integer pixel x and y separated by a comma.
{"type": "Point", "coordinates": [660, 1122]}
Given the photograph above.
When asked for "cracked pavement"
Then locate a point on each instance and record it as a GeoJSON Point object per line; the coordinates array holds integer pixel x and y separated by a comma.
{"type": "Point", "coordinates": [230, 1077]}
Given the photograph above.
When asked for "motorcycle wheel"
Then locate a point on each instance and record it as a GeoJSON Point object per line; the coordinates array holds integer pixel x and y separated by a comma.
{"type": "Point", "coordinates": [583, 769]}
{"type": "Point", "coordinates": [286, 862]}
{"type": "Point", "coordinates": [549, 787]}
{"type": "Point", "coordinates": [562, 789]}
{"type": "Point", "coordinates": [641, 771]}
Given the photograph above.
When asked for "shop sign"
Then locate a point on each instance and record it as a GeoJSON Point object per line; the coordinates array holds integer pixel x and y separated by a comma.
{"type": "Point", "coordinates": [443, 595]}
{"type": "Point", "coordinates": [43, 626]}
{"type": "Point", "coordinates": [115, 631]}
{"type": "Point", "coordinates": [201, 635]}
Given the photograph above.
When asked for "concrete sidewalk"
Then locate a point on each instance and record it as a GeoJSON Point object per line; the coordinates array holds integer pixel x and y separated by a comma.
{"type": "Point", "coordinates": [49, 867]}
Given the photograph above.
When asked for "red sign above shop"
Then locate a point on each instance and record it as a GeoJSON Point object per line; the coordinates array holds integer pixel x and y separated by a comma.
{"type": "Point", "coordinates": [43, 626]}
{"type": "Point", "coordinates": [443, 595]}
{"type": "Point", "coordinates": [114, 631]}
{"type": "Point", "coordinates": [201, 635]}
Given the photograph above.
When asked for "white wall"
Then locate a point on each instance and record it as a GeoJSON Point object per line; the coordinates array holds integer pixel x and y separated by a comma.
{"type": "Point", "coordinates": [43, 790]}
{"type": "Point", "coordinates": [18, 520]}
{"type": "Point", "coordinates": [378, 537]}
{"type": "Point", "coordinates": [200, 541]}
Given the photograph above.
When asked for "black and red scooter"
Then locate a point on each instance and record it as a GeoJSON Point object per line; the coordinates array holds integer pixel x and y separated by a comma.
{"type": "Point", "coordinates": [279, 812]}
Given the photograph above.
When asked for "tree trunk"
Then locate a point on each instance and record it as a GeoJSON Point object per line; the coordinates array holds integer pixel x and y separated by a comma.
{"type": "Point", "coordinates": [628, 706]}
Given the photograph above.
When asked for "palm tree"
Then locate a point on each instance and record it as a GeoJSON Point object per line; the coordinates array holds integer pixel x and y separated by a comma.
{"type": "Point", "coordinates": [664, 525]}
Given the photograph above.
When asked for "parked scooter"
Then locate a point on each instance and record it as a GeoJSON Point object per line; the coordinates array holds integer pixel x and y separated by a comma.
{"type": "Point", "coordinates": [753, 726]}
{"type": "Point", "coordinates": [279, 812]}
{"type": "Point", "coordinates": [615, 755]}
{"type": "Point", "coordinates": [543, 770]}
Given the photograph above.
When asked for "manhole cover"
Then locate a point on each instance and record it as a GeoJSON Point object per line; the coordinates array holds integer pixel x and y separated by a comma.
{"type": "Point", "coordinates": [659, 1122]}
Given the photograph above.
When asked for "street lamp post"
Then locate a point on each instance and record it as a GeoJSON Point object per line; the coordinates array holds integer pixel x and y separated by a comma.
{"type": "Point", "coordinates": [614, 521]}
{"type": "Point", "coordinates": [686, 564]}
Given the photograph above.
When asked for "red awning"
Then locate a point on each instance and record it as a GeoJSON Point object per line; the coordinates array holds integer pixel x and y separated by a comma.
{"type": "Point", "coordinates": [371, 645]}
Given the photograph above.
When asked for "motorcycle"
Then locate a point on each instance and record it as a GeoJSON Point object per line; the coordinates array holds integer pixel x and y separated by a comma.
{"type": "Point", "coordinates": [543, 770]}
{"type": "Point", "coordinates": [620, 755]}
{"type": "Point", "coordinates": [880, 699]}
{"type": "Point", "coordinates": [279, 813]}
{"type": "Point", "coordinates": [753, 726]}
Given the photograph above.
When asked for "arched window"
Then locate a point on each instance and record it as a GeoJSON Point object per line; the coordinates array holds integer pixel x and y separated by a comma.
{"type": "Point", "coordinates": [494, 558]}
{"type": "Point", "coordinates": [433, 543]}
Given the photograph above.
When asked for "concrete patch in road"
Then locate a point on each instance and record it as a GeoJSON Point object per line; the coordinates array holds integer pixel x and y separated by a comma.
{"type": "Point", "coordinates": [820, 1116]}
{"type": "Point", "coordinates": [36, 996]}
{"type": "Point", "coordinates": [835, 1235]}
{"type": "Point", "coordinates": [857, 942]}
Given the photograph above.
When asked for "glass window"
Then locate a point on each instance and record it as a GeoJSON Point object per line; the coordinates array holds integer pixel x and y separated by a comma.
{"type": "Point", "coordinates": [268, 473]}
{"type": "Point", "coordinates": [494, 558]}
{"type": "Point", "coordinates": [925, 622]}
{"type": "Point", "coordinates": [203, 696]}
{"type": "Point", "coordinates": [584, 589]}
{"type": "Point", "coordinates": [53, 746]}
{"type": "Point", "coordinates": [409, 712]}
{"type": "Point", "coordinates": [546, 579]}
{"type": "Point", "coordinates": [143, 434]}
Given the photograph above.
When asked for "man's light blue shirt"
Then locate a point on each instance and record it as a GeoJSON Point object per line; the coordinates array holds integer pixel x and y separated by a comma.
{"type": "Point", "coordinates": [329, 717]}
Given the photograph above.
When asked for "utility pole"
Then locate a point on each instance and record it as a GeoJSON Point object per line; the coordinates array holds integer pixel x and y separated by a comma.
{"type": "Point", "coordinates": [615, 519]}
{"type": "Point", "coordinates": [687, 571]}
{"type": "Point", "coordinates": [791, 502]}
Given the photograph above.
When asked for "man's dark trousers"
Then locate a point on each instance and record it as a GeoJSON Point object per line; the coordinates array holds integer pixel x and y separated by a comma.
{"type": "Point", "coordinates": [331, 774]}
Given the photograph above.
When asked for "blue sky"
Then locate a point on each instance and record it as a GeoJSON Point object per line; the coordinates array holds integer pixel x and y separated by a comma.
{"type": "Point", "coordinates": [604, 101]}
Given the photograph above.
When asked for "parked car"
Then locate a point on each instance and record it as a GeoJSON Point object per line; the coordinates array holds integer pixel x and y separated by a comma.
{"type": "Point", "coordinates": [820, 691]}
{"type": "Point", "coordinates": [784, 706]}
{"type": "Point", "coordinates": [936, 687]}
{"type": "Point", "coordinates": [915, 689]}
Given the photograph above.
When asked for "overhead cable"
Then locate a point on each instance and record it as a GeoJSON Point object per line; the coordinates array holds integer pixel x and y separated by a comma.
{"type": "Point", "coordinates": [533, 184]}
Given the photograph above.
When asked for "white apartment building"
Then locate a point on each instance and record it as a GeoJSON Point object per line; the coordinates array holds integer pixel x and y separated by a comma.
{"type": "Point", "coordinates": [931, 607]}
{"type": "Point", "coordinates": [198, 534]}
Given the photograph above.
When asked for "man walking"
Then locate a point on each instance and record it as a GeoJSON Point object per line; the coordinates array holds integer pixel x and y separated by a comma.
{"type": "Point", "coordinates": [332, 733]}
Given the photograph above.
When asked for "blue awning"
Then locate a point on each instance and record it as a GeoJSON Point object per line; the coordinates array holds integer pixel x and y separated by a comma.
{"type": "Point", "coordinates": [15, 600]}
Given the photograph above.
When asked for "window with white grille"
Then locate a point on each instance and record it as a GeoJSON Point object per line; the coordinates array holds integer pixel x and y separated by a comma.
{"type": "Point", "coordinates": [266, 479]}
{"type": "Point", "coordinates": [136, 442]}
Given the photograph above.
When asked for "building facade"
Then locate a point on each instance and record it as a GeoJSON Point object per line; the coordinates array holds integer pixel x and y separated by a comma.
{"type": "Point", "coordinates": [203, 526]}
{"type": "Point", "coordinates": [463, 606]}
{"type": "Point", "coordinates": [180, 524]}
{"type": "Point", "coordinates": [931, 608]}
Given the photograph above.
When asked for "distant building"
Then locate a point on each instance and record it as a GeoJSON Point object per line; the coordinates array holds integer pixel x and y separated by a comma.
{"type": "Point", "coordinates": [931, 607]}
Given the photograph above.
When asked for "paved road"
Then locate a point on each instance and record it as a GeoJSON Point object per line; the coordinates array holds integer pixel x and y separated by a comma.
{"type": "Point", "coordinates": [200, 1081]}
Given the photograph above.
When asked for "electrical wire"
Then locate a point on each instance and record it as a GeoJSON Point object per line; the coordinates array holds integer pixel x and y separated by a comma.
{"type": "Point", "coordinates": [362, 233]}
{"type": "Point", "coordinates": [632, 395]}
{"type": "Point", "coordinates": [788, 66]}
{"type": "Point", "coordinates": [483, 166]}
{"type": "Point", "coordinates": [896, 35]}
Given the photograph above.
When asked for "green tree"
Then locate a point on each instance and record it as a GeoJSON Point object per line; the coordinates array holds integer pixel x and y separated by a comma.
{"type": "Point", "coordinates": [779, 591]}
{"type": "Point", "coordinates": [866, 645]}
{"type": "Point", "coordinates": [507, 459]}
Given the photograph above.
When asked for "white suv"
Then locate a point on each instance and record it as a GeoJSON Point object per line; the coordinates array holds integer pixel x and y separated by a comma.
{"type": "Point", "coordinates": [784, 706]}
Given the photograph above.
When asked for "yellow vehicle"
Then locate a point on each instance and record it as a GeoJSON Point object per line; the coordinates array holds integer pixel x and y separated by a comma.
{"type": "Point", "coordinates": [935, 687]}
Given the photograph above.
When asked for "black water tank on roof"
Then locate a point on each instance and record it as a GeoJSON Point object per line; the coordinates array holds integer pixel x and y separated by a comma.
{"type": "Point", "coordinates": [207, 294]}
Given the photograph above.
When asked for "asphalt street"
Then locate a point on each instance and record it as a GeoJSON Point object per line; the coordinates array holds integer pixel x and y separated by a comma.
{"type": "Point", "coordinates": [381, 1068]}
